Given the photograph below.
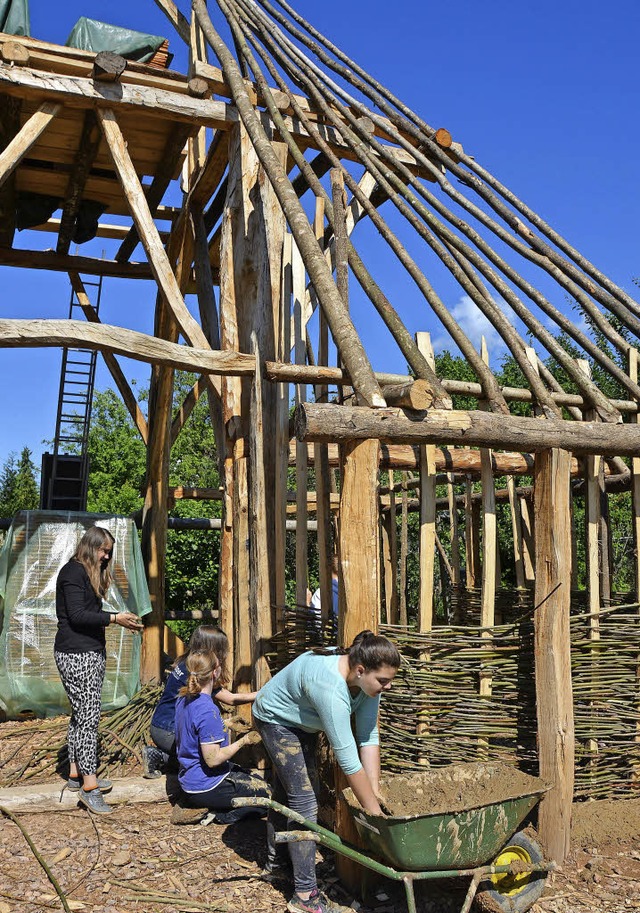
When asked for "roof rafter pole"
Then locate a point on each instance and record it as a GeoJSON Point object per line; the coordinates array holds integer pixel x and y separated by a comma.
{"type": "Point", "coordinates": [571, 287]}
{"type": "Point", "coordinates": [402, 336]}
{"type": "Point", "coordinates": [425, 137]}
{"type": "Point", "coordinates": [90, 140]}
{"type": "Point", "coordinates": [344, 333]}
{"type": "Point", "coordinates": [315, 422]}
{"type": "Point", "coordinates": [110, 360]}
{"type": "Point", "coordinates": [28, 135]}
{"type": "Point", "coordinates": [373, 166]}
{"type": "Point", "coordinates": [386, 310]}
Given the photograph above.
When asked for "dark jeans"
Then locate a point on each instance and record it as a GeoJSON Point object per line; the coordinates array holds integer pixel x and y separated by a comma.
{"type": "Point", "coordinates": [238, 784]}
{"type": "Point", "coordinates": [163, 738]}
{"type": "Point", "coordinates": [293, 755]}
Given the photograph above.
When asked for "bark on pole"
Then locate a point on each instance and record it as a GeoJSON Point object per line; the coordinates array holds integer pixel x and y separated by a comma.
{"type": "Point", "coordinates": [315, 422]}
{"type": "Point", "coordinates": [359, 573]}
{"type": "Point", "coordinates": [554, 696]}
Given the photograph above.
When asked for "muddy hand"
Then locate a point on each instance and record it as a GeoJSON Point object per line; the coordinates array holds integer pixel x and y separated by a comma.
{"type": "Point", "coordinates": [251, 738]}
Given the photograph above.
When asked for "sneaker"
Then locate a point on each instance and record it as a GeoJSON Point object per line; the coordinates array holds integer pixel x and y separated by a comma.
{"type": "Point", "coordinates": [153, 760]}
{"type": "Point", "coordinates": [317, 903]}
{"type": "Point", "coordinates": [94, 801]}
{"type": "Point", "coordinates": [182, 815]}
{"type": "Point", "coordinates": [75, 783]}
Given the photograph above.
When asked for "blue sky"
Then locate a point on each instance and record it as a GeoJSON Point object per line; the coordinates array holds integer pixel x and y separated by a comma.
{"type": "Point", "coordinates": [544, 94]}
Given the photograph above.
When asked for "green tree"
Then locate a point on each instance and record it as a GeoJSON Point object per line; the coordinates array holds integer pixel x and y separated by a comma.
{"type": "Point", "coordinates": [18, 485]}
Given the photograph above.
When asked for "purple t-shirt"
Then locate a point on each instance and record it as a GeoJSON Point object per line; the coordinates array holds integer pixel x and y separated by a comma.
{"type": "Point", "coordinates": [198, 722]}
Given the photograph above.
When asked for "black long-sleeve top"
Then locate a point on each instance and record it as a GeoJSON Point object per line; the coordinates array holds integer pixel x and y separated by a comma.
{"type": "Point", "coordinates": [81, 621]}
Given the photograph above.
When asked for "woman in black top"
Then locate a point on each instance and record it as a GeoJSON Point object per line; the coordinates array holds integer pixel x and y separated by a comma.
{"type": "Point", "coordinates": [80, 655]}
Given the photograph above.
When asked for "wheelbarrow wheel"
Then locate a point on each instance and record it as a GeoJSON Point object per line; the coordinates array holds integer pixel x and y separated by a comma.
{"type": "Point", "coordinates": [507, 893]}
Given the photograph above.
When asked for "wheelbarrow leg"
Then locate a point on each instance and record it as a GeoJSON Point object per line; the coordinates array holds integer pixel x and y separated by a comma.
{"type": "Point", "coordinates": [471, 893]}
{"type": "Point", "coordinates": [411, 897]}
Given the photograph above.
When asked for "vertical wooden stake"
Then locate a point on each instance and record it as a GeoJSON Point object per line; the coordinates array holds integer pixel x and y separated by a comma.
{"type": "Point", "coordinates": [427, 512]}
{"type": "Point", "coordinates": [453, 523]}
{"type": "Point", "coordinates": [552, 601]}
{"type": "Point", "coordinates": [404, 549]}
{"type": "Point", "coordinates": [302, 557]}
{"type": "Point", "coordinates": [321, 454]}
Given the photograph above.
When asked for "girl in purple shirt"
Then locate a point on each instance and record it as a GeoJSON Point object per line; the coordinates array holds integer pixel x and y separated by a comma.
{"type": "Point", "coordinates": [206, 777]}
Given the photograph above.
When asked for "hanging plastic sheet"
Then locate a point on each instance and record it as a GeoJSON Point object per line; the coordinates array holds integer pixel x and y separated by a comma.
{"type": "Point", "coordinates": [38, 544]}
{"type": "Point", "coordinates": [92, 35]}
{"type": "Point", "coordinates": [14, 17]}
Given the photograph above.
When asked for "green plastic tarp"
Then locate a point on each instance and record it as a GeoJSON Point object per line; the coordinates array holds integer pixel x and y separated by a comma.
{"type": "Point", "coordinates": [92, 35]}
{"type": "Point", "coordinates": [14, 17]}
{"type": "Point", "coordinates": [38, 544]}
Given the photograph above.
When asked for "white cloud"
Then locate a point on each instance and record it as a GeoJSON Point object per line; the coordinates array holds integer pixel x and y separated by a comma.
{"type": "Point", "coordinates": [475, 325]}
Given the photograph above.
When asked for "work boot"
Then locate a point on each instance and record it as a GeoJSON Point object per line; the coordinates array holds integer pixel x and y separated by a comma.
{"type": "Point", "coordinates": [93, 800]}
{"type": "Point", "coordinates": [153, 760]}
{"type": "Point", "coordinates": [181, 814]}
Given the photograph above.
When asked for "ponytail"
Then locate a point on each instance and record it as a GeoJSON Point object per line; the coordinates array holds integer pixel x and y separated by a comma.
{"type": "Point", "coordinates": [199, 666]}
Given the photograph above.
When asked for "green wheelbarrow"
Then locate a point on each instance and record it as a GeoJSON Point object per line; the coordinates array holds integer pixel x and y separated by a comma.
{"type": "Point", "coordinates": [481, 843]}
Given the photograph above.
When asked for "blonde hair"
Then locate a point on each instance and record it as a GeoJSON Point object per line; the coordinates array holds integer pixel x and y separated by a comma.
{"type": "Point", "coordinates": [200, 666]}
{"type": "Point", "coordinates": [96, 537]}
{"type": "Point", "coordinates": [209, 639]}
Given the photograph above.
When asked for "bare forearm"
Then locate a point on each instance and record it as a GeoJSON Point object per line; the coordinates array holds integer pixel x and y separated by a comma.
{"type": "Point", "coordinates": [214, 755]}
{"type": "Point", "coordinates": [363, 791]}
{"type": "Point", "coordinates": [235, 698]}
{"type": "Point", "coordinates": [370, 757]}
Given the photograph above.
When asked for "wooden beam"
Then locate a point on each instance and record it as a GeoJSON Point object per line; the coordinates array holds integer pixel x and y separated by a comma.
{"type": "Point", "coordinates": [161, 180]}
{"type": "Point", "coordinates": [319, 374]}
{"type": "Point", "coordinates": [186, 408]}
{"type": "Point", "coordinates": [105, 230]}
{"type": "Point", "coordinates": [176, 18]}
{"type": "Point", "coordinates": [147, 230]}
{"type": "Point", "coordinates": [26, 334]}
{"type": "Point", "coordinates": [92, 266]}
{"type": "Point", "coordinates": [316, 422]}
{"type": "Point", "coordinates": [87, 150]}
{"type": "Point", "coordinates": [116, 372]}
{"type": "Point", "coordinates": [9, 128]}
{"type": "Point", "coordinates": [77, 92]}
{"type": "Point", "coordinates": [552, 602]}
{"type": "Point", "coordinates": [17, 148]}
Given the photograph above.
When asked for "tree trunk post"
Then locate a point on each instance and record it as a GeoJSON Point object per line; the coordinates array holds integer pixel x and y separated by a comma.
{"type": "Point", "coordinates": [554, 696]}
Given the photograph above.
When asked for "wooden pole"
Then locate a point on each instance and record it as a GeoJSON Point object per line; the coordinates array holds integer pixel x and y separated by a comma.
{"type": "Point", "coordinates": [404, 549]}
{"type": "Point", "coordinates": [317, 422]}
{"type": "Point", "coordinates": [282, 435]}
{"type": "Point", "coordinates": [302, 556]}
{"type": "Point", "coordinates": [635, 481]}
{"type": "Point", "coordinates": [321, 453]}
{"type": "Point", "coordinates": [554, 697]}
{"type": "Point", "coordinates": [427, 511]}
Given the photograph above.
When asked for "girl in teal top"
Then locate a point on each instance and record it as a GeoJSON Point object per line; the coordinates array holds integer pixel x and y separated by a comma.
{"type": "Point", "coordinates": [321, 691]}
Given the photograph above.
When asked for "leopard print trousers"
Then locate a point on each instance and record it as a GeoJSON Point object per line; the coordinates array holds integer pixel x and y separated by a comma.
{"type": "Point", "coordinates": [82, 676]}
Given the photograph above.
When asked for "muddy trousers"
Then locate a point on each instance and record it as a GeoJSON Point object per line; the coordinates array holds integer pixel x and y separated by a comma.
{"type": "Point", "coordinates": [295, 784]}
{"type": "Point", "coordinates": [82, 676]}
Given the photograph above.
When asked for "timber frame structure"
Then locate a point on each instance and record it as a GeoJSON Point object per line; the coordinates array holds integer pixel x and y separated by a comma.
{"type": "Point", "coordinates": [301, 152]}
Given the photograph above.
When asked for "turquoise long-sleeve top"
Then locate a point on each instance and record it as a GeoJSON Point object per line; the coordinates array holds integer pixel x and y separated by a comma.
{"type": "Point", "coordinates": [311, 694]}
